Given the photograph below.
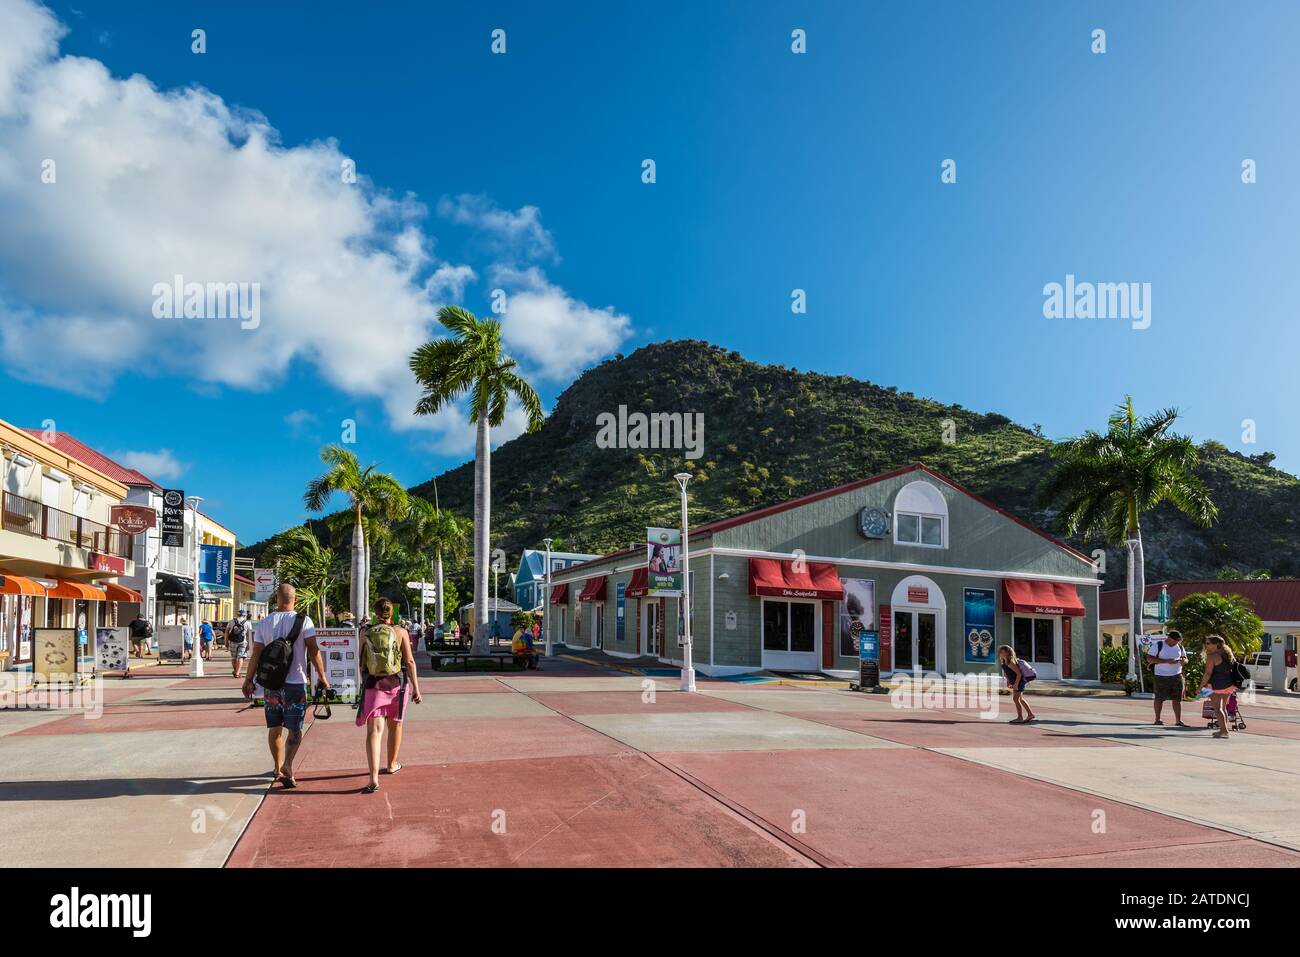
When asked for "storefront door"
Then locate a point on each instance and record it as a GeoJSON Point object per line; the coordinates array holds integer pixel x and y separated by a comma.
{"type": "Point", "coordinates": [650, 626]}
{"type": "Point", "coordinates": [1035, 638]}
{"type": "Point", "coordinates": [915, 640]}
{"type": "Point", "coordinates": [598, 625]}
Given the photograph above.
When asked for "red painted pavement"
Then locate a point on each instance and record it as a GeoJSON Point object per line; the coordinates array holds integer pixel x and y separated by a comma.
{"type": "Point", "coordinates": [917, 808]}
{"type": "Point", "coordinates": [609, 811]}
{"type": "Point", "coordinates": [952, 729]}
{"type": "Point", "coordinates": [330, 746]}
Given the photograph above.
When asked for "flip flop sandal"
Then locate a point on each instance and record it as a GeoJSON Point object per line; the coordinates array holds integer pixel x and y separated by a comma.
{"type": "Point", "coordinates": [288, 783]}
{"type": "Point", "coordinates": [393, 771]}
{"type": "Point", "coordinates": [1158, 724]}
{"type": "Point", "coordinates": [1016, 721]}
{"type": "Point", "coordinates": [370, 789]}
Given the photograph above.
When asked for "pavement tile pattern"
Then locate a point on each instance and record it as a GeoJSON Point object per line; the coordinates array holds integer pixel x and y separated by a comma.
{"type": "Point", "coordinates": [579, 766]}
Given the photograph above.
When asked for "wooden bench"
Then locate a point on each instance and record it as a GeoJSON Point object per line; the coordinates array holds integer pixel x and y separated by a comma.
{"type": "Point", "coordinates": [436, 658]}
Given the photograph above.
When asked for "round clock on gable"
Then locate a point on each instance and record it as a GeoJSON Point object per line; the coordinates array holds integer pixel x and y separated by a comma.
{"type": "Point", "coordinates": [873, 522]}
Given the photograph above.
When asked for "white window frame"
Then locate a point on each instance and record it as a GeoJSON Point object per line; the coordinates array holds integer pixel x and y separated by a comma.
{"type": "Point", "coordinates": [920, 516]}
{"type": "Point", "coordinates": [597, 625]}
{"type": "Point", "coordinates": [1058, 649]}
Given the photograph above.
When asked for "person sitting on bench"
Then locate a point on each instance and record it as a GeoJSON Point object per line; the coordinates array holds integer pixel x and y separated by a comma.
{"type": "Point", "coordinates": [523, 649]}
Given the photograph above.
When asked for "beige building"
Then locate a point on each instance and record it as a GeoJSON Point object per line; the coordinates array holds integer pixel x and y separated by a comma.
{"type": "Point", "coordinates": [60, 558]}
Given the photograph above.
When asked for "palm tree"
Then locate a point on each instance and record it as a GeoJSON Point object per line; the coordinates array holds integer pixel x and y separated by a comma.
{"type": "Point", "coordinates": [373, 495]}
{"type": "Point", "coordinates": [298, 556]}
{"type": "Point", "coordinates": [1105, 482]}
{"type": "Point", "coordinates": [429, 529]}
{"type": "Point", "coordinates": [470, 361]}
{"type": "Point", "coordinates": [1213, 613]}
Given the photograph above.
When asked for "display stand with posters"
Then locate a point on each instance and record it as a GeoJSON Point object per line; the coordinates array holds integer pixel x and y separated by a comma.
{"type": "Point", "coordinates": [340, 650]}
{"type": "Point", "coordinates": [54, 658]}
{"type": "Point", "coordinates": [112, 651]}
{"type": "Point", "coordinates": [171, 643]}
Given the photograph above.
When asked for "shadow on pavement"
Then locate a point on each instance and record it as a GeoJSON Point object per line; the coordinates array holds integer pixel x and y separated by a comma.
{"type": "Point", "coordinates": [129, 787]}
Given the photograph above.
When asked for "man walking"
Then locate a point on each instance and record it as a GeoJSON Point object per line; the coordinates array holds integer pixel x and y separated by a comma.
{"type": "Point", "coordinates": [1167, 658]}
{"type": "Point", "coordinates": [237, 641]}
{"type": "Point", "coordinates": [141, 631]}
{"type": "Point", "coordinates": [286, 708]}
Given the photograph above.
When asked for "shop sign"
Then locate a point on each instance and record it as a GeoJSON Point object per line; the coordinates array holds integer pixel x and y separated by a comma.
{"type": "Point", "coordinates": [111, 649]}
{"type": "Point", "coordinates": [173, 518]}
{"type": "Point", "coordinates": [132, 519]}
{"type": "Point", "coordinates": [107, 563]}
{"type": "Point", "coordinates": [729, 621]}
{"type": "Point", "coordinates": [918, 594]}
{"type": "Point", "coordinates": [663, 562]}
{"type": "Point", "coordinates": [979, 608]}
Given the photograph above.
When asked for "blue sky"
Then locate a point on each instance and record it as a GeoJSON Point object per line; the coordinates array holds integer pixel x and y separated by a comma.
{"type": "Point", "coordinates": [775, 171]}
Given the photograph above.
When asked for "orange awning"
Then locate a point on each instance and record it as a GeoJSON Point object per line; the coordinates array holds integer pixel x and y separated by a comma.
{"type": "Point", "coordinates": [17, 585]}
{"type": "Point", "coordinates": [116, 592]}
{"type": "Point", "coordinates": [67, 589]}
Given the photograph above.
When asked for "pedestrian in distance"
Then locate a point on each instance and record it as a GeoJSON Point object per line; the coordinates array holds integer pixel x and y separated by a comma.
{"type": "Point", "coordinates": [388, 681]}
{"type": "Point", "coordinates": [1222, 678]}
{"type": "Point", "coordinates": [285, 641]}
{"type": "Point", "coordinates": [206, 636]}
{"type": "Point", "coordinates": [238, 639]}
{"type": "Point", "coordinates": [141, 632]}
{"type": "Point", "coordinates": [1018, 673]}
{"type": "Point", "coordinates": [187, 639]}
{"type": "Point", "coordinates": [1167, 658]}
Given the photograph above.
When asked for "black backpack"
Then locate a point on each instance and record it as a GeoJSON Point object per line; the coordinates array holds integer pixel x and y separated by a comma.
{"type": "Point", "coordinates": [1240, 674]}
{"type": "Point", "coordinates": [273, 664]}
{"type": "Point", "coordinates": [235, 633]}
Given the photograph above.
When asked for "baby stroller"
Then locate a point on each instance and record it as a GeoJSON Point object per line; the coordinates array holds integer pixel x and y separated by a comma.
{"type": "Point", "coordinates": [1234, 714]}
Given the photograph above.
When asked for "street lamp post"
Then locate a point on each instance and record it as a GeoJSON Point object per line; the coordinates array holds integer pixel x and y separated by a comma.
{"type": "Point", "coordinates": [546, 598]}
{"type": "Point", "coordinates": [688, 668]}
{"type": "Point", "coordinates": [196, 660]}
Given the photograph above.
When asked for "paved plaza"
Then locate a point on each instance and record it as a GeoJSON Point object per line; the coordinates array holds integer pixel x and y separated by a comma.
{"type": "Point", "coordinates": [581, 766]}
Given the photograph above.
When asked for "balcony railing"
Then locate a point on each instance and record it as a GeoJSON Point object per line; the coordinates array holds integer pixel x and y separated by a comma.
{"type": "Point", "coordinates": [29, 517]}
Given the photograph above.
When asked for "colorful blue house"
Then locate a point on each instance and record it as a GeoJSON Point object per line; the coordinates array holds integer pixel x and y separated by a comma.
{"type": "Point", "coordinates": [530, 579]}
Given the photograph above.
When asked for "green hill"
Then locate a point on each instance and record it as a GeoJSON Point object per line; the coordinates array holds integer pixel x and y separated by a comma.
{"type": "Point", "coordinates": [773, 433]}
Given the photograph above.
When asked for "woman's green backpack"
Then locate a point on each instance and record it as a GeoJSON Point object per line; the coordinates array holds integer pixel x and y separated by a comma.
{"type": "Point", "coordinates": [383, 655]}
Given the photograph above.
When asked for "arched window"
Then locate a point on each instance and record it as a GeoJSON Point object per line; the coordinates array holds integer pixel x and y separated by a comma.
{"type": "Point", "coordinates": [921, 516]}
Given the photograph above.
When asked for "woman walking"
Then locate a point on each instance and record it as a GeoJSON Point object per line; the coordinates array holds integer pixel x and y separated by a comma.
{"type": "Point", "coordinates": [1017, 673]}
{"type": "Point", "coordinates": [388, 681]}
{"type": "Point", "coordinates": [1220, 678]}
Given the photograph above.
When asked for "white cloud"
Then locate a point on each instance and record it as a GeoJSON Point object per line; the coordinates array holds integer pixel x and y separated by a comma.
{"type": "Point", "coordinates": [511, 235]}
{"type": "Point", "coordinates": [151, 184]}
{"type": "Point", "coordinates": [161, 465]}
{"type": "Point", "coordinates": [299, 419]}
{"type": "Point", "coordinates": [556, 335]}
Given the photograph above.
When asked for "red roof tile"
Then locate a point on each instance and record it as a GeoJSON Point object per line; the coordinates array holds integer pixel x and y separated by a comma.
{"type": "Point", "coordinates": [1276, 599]}
{"type": "Point", "coordinates": [77, 449]}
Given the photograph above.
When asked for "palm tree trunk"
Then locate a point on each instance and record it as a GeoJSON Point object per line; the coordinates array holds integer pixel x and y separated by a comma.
{"type": "Point", "coordinates": [437, 576]}
{"type": "Point", "coordinates": [482, 518]}
{"type": "Point", "coordinates": [1136, 590]}
{"type": "Point", "coordinates": [359, 570]}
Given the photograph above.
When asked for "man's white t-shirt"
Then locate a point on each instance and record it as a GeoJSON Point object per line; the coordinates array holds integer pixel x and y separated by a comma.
{"type": "Point", "coordinates": [1171, 659]}
{"type": "Point", "coordinates": [278, 624]}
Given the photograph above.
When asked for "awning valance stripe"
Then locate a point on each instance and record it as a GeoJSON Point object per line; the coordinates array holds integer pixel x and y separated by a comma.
{"type": "Point", "coordinates": [594, 590]}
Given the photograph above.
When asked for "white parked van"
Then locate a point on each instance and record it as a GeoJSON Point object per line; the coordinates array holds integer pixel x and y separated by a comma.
{"type": "Point", "coordinates": [1260, 666]}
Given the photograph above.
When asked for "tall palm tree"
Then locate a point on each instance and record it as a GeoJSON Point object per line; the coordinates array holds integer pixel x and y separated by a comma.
{"type": "Point", "coordinates": [373, 495]}
{"type": "Point", "coordinates": [1103, 484]}
{"type": "Point", "coordinates": [470, 361]}
{"type": "Point", "coordinates": [428, 529]}
{"type": "Point", "coordinates": [298, 556]}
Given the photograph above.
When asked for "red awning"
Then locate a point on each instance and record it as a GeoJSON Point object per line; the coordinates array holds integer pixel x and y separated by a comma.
{"type": "Point", "coordinates": [116, 592]}
{"type": "Point", "coordinates": [1040, 598]}
{"type": "Point", "coordinates": [639, 584]}
{"type": "Point", "coordinates": [594, 590]}
{"type": "Point", "coordinates": [560, 594]}
{"type": "Point", "coordinates": [778, 577]}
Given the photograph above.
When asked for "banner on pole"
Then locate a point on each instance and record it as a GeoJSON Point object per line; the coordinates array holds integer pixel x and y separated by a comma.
{"type": "Point", "coordinates": [663, 562]}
